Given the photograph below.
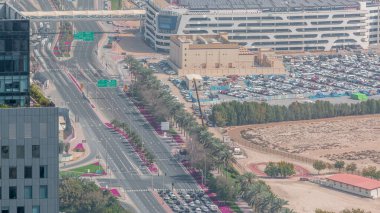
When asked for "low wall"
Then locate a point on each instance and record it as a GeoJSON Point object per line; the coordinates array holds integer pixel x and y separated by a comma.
{"type": "Point", "coordinates": [226, 71]}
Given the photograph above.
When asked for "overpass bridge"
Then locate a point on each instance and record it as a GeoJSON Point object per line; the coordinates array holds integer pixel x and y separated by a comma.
{"type": "Point", "coordinates": [84, 15]}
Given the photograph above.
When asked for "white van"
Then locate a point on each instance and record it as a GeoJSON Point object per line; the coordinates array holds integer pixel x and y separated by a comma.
{"type": "Point", "coordinates": [214, 208]}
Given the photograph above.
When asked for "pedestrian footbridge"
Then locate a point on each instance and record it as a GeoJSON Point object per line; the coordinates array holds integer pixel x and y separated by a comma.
{"type": "Point", "coordinates": [85, 15]}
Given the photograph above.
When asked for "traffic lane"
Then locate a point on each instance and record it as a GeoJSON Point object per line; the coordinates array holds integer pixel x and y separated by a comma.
{"type": "Point", "coordinates": [172, 169]}
{"type": "Point", "coordinates": [94, 26]}
{"type": "Point", "coordinates": [148, 200]}
{"type": "Point", "coordinates": [138, 123]}
{"type": "Point", "coordinates": [110, 109]}
{"type": "Point", "coordinates": [75, 108]}
{"type": "Point", "coordinates": [118, 162]}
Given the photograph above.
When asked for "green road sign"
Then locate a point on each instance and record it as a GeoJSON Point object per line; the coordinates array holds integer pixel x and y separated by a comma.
{"type": "Point", "coordinates": [112, 83]}
{"type": "Point", "coordinates": [84, 36]}
{"type": "Point", "coordinates": [104, 83]}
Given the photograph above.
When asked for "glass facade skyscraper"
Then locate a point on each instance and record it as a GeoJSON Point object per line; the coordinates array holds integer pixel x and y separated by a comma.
{"type": "Point", "coordinates": [14, 58]}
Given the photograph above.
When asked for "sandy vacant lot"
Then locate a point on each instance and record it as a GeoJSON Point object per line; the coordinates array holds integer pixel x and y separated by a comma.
{"type": "Point", "coordinates": [305, 197]}
{"type": "Point", "coordinates": [352, 139]}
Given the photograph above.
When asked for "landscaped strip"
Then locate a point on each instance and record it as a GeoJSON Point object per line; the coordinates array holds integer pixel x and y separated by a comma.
{"type": "Point", "coordinates": [90, 170]}
{"type": "Point", "coordinates": [146, 156]}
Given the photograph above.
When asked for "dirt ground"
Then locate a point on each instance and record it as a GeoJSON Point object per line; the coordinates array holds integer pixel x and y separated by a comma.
{"type": "Point", "coordinates": [352, 139]}
{"type": "Point", "coordinates": [305, 197]}
{"type": "Point", "coordinates": [132, 43]}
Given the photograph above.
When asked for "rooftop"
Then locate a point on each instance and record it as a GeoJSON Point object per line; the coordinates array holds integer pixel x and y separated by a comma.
{"type": "Point", "coordinates": [193, 76]}
{"type": "Point", "coordinates": [355, 180]}
{"type": "Point", "coordinates": [9, 12]}
{"type": "Point", "coordinates": [262, 4]}
{"type": "Point", "coordinates": [203, 39]}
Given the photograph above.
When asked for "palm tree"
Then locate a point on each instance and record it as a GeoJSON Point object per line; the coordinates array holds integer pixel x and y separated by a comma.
{"type": "Point", "coordinates": [286, 210]}
{"type": "Point", "coordinates": [246, 180]}
{"type": "Point", "coordinates": [276, 204]}
{"type": "Point", "coordinates": [205, 137]}
{"type": "Point", "coordinates": [115, 123]}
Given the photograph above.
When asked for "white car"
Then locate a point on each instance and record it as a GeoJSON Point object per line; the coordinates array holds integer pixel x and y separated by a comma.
{"type": "Point", "coordinates": [214, 207]}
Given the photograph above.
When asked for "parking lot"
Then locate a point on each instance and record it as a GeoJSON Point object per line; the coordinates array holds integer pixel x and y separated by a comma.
{"type": "Point", "coordinates": [309, 77]}
{"type": "Point", "coordinates": [326, 77]}
{"type": "Point", "coordinates": [188, 201]}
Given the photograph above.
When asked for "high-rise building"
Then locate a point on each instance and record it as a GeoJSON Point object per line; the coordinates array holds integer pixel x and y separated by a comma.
{"type": "Point", "coordinates": [14, 57]}
{"type": "Point", "coordinates": [29, 160]}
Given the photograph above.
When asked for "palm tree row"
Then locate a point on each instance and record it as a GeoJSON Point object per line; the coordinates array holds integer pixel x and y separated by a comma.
{"type": "Point", "coordinates": [150, 91]}
{"type": "Point", "coordinates": [259, 196]}
{"type": "Point", "coordinates": [135, 139]}
{"type": "Point", "coordinates": [206, 152]}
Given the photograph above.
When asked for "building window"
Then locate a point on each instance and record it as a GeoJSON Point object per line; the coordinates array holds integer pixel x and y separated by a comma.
{"type": "Point", "coordinates": [43, 130]}
{"type": "Point", "coordinates": [35, 151]}
{"type": "Point", "coordinates": [12, 173]}
{"type": "Point", "coordinates": [43, 171]}
{"type": "Point", "coordinates": [5, 209]}
{"type": "Point", "coordinates": [12, 131]}
{"type": "Point", "coordinates": [13, 192]}
{"type": "Point", "coordinates": [28, 172]}
{"type": "Point", "coordinates": [28, 130]}
{"type": "Point", "coordinates": [43, 192]}
{"type": "Point", "coordinates": [5, 152]}
{"type": "Point", "coordinates": [20, 152]}
{"type": "Point", "coordinates": [28, 192]}
{"type": "Point", "coordinates": [20, 209]}
{"type": "Point", "coordinates": [36, 209]}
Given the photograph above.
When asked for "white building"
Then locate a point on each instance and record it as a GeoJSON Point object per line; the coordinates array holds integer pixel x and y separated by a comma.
{"type": "Point", "coordinates": [314, 25]}
{"type": "Point", "coordinates": [355, 184]}
{"type": "Point", "coordinates": [29, 160]}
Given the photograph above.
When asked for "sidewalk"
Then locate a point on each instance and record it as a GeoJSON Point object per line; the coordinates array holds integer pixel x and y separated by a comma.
{"type": "Point", "coordinates": [79, 135]}
{"type": "Point", "coordinates": [78, 156]}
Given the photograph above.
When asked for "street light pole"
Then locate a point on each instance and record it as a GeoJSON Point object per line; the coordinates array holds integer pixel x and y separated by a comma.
{"type": "Point", "coordinates": [152, 183]}
{"type": "Point", "coordinates": [163, 180]}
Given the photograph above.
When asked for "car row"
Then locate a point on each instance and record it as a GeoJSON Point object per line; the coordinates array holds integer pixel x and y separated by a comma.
{"type": "Point", "coordinates": [192, 201]}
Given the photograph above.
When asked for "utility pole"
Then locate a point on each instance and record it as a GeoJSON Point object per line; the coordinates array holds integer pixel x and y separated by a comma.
{"type": "Point", "coordinates": [163, 180]}
{"type": "Point", "coordinates": [199, 103]}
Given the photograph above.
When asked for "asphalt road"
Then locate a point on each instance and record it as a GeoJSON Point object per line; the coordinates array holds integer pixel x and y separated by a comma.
{"type": "Point", "coordinates": [125, 164]}
{"type": "Point", "coordinates": [108, 144]}
{"type": "Point", "coordinates": [121, 108]}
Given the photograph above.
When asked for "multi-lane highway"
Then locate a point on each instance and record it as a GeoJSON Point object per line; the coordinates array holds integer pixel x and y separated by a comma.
{"type": "Point", "coordinates": [114, 106]}
{"type": "Point", "coordinates": [124, 163]}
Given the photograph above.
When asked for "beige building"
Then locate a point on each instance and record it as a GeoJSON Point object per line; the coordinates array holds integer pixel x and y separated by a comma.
{"type": "Point", "coordinates": [355, 184]}
{"type": "Point", "coordinates": [214, 55]}
{"type": "Point", "coordinates": [190, 78]}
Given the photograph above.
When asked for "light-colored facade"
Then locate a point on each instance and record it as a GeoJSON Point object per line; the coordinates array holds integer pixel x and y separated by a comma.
{"type": "Point", "coordinates": [29, 160]}
{"type": "Point", "coordinates": [374, 23]}
{"type": "Point", "coordinates": [355, 184]}
{"type": "Point", "coordinates": [190, 78]}
{"type": "Point", "coordinates": [215, 55]}
{"type": "Point", "coordinates": [322, 25]}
